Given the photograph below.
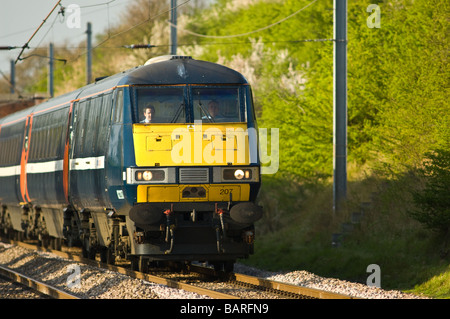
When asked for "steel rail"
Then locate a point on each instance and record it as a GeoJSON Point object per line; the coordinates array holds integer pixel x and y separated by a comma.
{"type": "Point", "coordinates": [275, 285]}
{"type": "Point", "coordinates": [252, 280]}
{"type": "Point", "coordinates": [35, 284]}
{"type": "Point", "coordinates": [284, 287]}
{"type": "Point", "coordinates": [129, 272]}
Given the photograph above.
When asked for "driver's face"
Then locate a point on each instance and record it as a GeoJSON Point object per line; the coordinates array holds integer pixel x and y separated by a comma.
{"type": "Point", "coordinates": [148, 114]}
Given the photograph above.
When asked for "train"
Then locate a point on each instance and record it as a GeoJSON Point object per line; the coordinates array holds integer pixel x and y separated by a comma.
{"type": "Point", "coordinates": [157, 164]}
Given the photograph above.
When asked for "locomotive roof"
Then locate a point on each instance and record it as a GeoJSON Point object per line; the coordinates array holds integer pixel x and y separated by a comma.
{"type": "Point", "coordinates": [183, 70]}
{"type": "Point", "coordinates": [168, 70]}
{"type": "Point", "coordinates": [163, 70]}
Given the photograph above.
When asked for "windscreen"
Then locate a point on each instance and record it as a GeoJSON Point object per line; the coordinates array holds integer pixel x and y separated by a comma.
{"type": "Point", "coordinates": [188, 104]}
{"type": "Point", "coordinates": [160, 105]}
{"type": "Point", "coordinates": [216, 105]}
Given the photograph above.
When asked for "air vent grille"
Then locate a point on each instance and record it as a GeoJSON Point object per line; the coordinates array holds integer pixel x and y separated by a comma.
{"type": "Point", "coordinates": [194, 175]}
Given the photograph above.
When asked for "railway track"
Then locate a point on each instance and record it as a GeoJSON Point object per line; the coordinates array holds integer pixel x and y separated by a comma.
{"type": "Point", "coordinates": [203, 281]}
{"type": "Point", "coordinates": [35, 285]}
{"type": "Point", "coordinates": [13, 290]}
{"type": "Point", "coordinates": [283, 290]}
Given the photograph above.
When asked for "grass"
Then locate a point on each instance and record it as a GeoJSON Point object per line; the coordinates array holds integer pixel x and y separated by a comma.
{"type": "Point", "coordinates": [438, 286]}
{"type": "Point", "coordinates": [296, 233]}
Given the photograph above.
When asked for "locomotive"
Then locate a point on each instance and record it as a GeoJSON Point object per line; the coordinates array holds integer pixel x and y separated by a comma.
{"type": "Point", "coordinates": [93, 168]}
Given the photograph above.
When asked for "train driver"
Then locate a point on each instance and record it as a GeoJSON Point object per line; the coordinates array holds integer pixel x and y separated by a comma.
{"type": "Point", "coordinates": [149, 113]}
{"type": "Point", "coordinates": [214, 112]}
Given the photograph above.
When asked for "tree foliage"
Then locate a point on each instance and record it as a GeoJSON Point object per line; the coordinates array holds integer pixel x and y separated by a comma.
{"type": "Point", "coordinates": [398, 75]}
{"type": "Point", "coordinates": [397, 78]}
{"type": "Point", "coordinates": [433, 201]}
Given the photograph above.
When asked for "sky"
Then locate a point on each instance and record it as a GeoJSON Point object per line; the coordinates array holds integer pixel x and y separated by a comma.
{"type": "Point", "coordinates": [19, 19]}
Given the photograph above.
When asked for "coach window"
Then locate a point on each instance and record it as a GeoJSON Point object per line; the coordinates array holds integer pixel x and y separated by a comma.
{"type": "Point", "coordinates": [108, 114]}
{"type": "Point", "coordinates": [118, 118]}
{"type": "Point", "coordinates": [8, 150]}
{"type": "Point", "coordinates": [45, 140]}
{"type": "Point", "coordinates": [95, 114]}
{"type": "Point", "coordinates": [5, 150]}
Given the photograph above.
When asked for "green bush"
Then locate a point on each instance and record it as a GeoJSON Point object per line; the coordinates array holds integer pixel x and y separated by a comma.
{"type": "Point", "coordinates": [433, 202]}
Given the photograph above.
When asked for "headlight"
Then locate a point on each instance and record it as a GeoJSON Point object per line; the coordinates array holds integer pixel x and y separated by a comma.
{"type": "Point", "coordinates": [150, 175]}
{"type": "Point", "coordinates": [240, 174]}
{"type": "Point", "coordinates": [147, 175]}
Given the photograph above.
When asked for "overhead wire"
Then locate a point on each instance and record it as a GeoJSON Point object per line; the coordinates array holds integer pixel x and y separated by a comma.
{"type": "Point", "coordinates": [211, 36]}
{"type": "Point", "coordinates": [15, 33]}
{"type": "Point", "coordinates": [109, 37]}
{"type": "Point", "coordinates": [194, 33]}
{"type": "Point", "coordinates": [150, 46]}
{"type": "Point", "coordinates": [49, 29]}
{"type": "Point", "coordinates": [98, 4]}
{"type": "Point", "coordinates": [25, 46]}
{"type": "Point", "coordinates": [7, 80]}
{"type": "Point", "coordinates": [129, 29]}
{"type": "Point", "coordinates": [60, 13]}
{"type": "Point", "coordinates": [140, 23]}
{"type": "Point", "coordinates": [246, 33]}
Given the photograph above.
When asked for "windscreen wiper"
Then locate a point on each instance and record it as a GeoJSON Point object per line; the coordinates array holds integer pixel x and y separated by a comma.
{"type": "Point", "coordinates": [207, 115]}
{"type": "Point", "coordinates": [177, 113]}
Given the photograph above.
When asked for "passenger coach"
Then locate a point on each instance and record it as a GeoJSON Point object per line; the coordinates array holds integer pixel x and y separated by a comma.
{"type": "Point", "coordinates": [158, 163]}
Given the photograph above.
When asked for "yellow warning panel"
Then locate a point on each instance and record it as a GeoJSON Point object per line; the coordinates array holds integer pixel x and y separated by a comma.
{"type": "Point", "coordinates": [191, 144]}
{"type": "Point", "coordinates": [159, 142]}
{"type": "Point", "coordinates": [179, 193]}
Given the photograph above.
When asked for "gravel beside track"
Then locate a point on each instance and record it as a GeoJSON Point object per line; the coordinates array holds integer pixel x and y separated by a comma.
{"type": "Point", "coordinates": [11, 290]}
{"type": "Point", "coordinates": [310, 280]}
{"type": "Point", "coordinates": [95, 283]}
{"type": "Point", "coordinates": [99, 283]}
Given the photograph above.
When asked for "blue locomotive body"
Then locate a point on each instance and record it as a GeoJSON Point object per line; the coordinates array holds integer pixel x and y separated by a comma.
{"type": "Point", "coordinates": [83, 168]}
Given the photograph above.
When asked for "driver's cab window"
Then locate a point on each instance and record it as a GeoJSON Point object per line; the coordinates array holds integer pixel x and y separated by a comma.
{"type": "Point", "coordinates": [160, 105]}
{"type": "Point", "coordinates": [213, 105]}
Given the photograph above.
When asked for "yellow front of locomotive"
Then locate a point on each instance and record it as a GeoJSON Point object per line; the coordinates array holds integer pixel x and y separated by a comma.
{"type": "Point", "coordinates": [197, 172]}
{"type": "Point", "coordinates": [203, 162]}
